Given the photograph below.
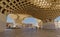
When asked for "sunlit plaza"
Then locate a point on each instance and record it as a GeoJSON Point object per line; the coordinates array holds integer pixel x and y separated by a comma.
{"type": "Point", "coordinates": [29, 18]}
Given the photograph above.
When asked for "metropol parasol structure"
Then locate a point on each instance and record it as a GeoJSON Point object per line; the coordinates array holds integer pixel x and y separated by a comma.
{"type": "Point", "coordinates": [45, 10]}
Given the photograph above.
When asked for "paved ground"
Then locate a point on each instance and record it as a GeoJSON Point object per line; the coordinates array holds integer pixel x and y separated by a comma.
{"type": "Point", "coordinates": [29, 33]}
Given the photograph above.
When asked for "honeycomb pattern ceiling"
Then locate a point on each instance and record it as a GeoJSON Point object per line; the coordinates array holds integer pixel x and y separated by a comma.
{"type": "Point", "coordinates": [42, 9]}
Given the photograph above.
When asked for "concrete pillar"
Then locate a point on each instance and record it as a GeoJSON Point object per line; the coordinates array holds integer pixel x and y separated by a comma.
{"type": "Point", "coordinates": [40, 24]}
{"type": "Point", "coordinates": [2, 22]}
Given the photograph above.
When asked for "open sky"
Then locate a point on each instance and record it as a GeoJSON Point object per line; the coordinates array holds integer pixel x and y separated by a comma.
{"type": "Point", "coordinates": [9, 20]}
{"type": "Point", "coordinates": [57, 19]}
{"type": "Point", "coordinates": [28, 20]}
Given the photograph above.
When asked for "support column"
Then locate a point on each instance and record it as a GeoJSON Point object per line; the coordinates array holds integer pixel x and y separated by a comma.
{"type": "Point", "coordinates": [2, 22]}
